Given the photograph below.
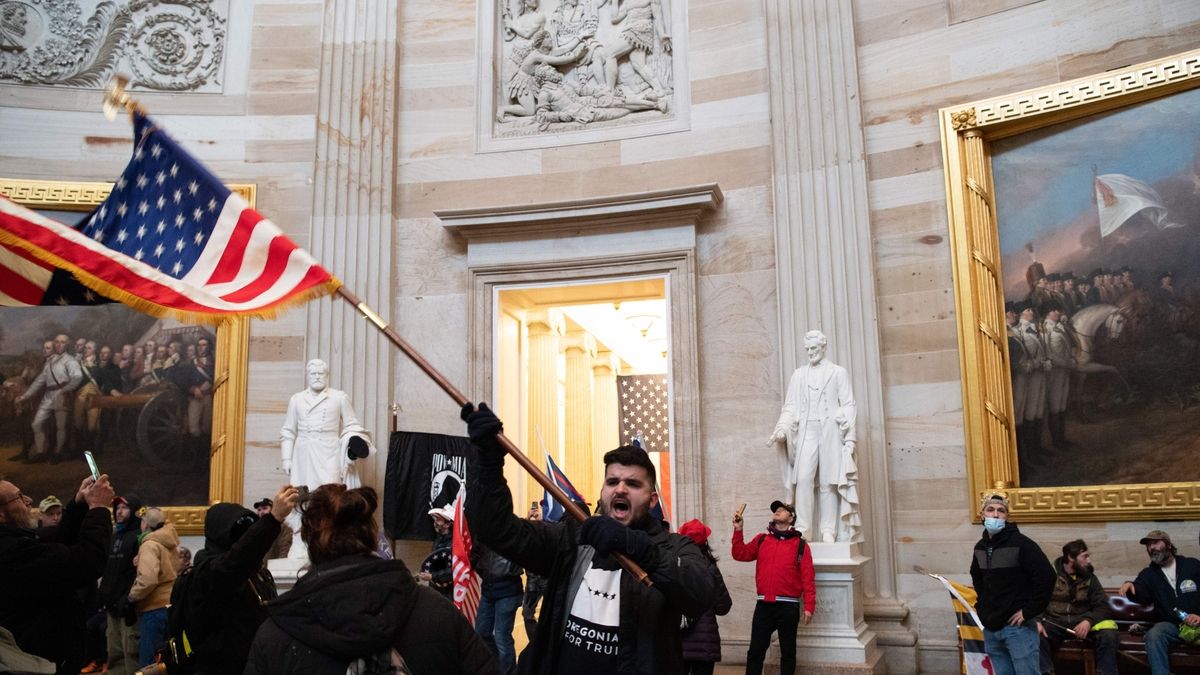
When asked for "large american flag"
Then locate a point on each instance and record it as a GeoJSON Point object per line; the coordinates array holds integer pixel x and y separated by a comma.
{"type": "Point", "coordinates": [643, 400]}
{"type": "Point", "coordinates": [171, 238]}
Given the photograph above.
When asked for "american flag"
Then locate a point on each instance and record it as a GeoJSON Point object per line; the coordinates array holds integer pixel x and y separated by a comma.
{"type": "Point", "coordinates": [644, 411]}
{"type": "Point", "coordinates": [552, 511]}
{"type": "Point", "coordinates": [26, 281]}
{"type": "Point", "coordinates": [171, 238]}
{"type": "Point", "coordinates": [466, 579]}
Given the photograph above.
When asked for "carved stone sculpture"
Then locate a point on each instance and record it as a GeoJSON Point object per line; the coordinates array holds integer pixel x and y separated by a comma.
{"type": "Point", "coordinates": [168, 45]}
{"type": "Point", "coordinates": [816, 426]}
{"type": "Point", "coordinates": [317, 440]}
{"type": "Point", "coordinates": [613, 59]}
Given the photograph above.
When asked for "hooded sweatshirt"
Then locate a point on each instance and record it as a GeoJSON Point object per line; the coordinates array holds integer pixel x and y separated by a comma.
{"type": "Point", "coordinates": [157, 567]}
{"type": "Point", "coordinates": [360, 606]}
{"type": "Point", "coordinates": [229, 587]}
{"type": "Point", "coordinates": [119, 571]}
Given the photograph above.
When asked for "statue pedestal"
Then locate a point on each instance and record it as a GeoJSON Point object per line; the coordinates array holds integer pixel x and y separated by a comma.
{"type": "Point", "coordinates": [838, 639]}
{"type": "Point", "coordinates": [286, 571]}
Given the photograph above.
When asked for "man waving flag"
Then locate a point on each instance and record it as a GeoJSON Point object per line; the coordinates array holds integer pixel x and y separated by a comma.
{"type": "Point", "coordinates": [171, 239]}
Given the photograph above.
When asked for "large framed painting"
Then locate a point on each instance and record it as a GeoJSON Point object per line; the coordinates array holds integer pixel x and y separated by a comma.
{"type": "Point", "coordinates": [161, 404]}
{"type": "Point", "coordinates": [1075, 229]}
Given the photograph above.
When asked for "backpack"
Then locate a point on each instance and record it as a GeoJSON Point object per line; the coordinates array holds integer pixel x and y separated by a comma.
{"type": "Point", "coordinates": [176, 654]}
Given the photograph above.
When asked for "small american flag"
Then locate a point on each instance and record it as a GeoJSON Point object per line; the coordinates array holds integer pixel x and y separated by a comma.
{"type": "Point", "coordinates": [644, 411]}
{"type": "Point", "coordinates": [171, 238]}
{"type": "Point", "coordinates": [466, 579]}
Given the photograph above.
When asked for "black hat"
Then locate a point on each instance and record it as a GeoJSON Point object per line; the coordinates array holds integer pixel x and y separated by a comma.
{"type": "Point", "coordinates": [1164, 274]}
{"type": "Point", "coordinates": [263, 502]}
{"type": "Point", "coordinates": [776, 505]}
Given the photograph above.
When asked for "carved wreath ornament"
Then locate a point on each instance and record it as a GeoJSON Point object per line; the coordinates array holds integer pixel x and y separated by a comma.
{"type": "Point", "coordinates": [169, 45]}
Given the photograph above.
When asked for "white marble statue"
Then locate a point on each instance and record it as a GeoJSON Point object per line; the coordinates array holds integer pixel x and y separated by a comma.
{"type": "Point", "coordinates": [816, 426]}
{"type": "Point", "coordinates": [320, 440]}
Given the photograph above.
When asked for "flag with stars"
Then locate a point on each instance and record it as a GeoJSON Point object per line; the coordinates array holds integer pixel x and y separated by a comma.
{"type": "Point", "coordinates": [26, 281]}
{"type": "Point", "coordinates": [644, 411]}
{"type": "Point", "coordinates": [172, 239]}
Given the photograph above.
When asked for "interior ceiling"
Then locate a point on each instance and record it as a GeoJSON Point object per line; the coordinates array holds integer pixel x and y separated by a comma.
{"type": "Point", "coordinates": [627, 317]}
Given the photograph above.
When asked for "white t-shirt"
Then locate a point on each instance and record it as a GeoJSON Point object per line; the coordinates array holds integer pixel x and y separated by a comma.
{"type": "Point", "coordinates": [590, 635]}
{"type": "Point", "coordinates": [1169, 572]}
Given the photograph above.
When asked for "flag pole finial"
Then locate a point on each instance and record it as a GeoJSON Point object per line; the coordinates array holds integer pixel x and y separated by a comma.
{"type": "Point", "coordinates": [116, 98]}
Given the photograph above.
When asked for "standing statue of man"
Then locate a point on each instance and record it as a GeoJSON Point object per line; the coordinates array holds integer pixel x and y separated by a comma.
{"type": "Point", "coordinates": [320, 440]}
{"type": "Point", "coordinates": [817, 427]}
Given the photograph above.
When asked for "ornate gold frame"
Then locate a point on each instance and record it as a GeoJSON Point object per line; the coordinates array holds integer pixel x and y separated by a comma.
{"type": "Point", "coordinates": [227, 449]}
{"type": "Point", "coordinates": [967, 133]}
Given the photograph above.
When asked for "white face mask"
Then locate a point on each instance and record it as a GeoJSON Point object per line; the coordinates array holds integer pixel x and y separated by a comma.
{"type": "Point", "coordinates": [993, 525]}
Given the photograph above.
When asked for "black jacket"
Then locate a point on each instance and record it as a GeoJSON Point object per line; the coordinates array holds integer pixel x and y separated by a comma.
{"type": "Point", "coordinates": [229, 589]}
{"type": "Point", "coordinates": [1010, 573]}
{"type": "Point", "coordinates": [119, 572]}
{"type": "Point", "coordinates": [356, 607]}
{"type": "Point", "coordinates": [43, 570]}
{"type": "Point", "coordinates": [1151, 586]}
{"type": "Point", "coordinates": [1075, 600]}
{"type": "Point", "coordinates": [702, 637]}
{"type": "Point", "coordinates": [650, 617]}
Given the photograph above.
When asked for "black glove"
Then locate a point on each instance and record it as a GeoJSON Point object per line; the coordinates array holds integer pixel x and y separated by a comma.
{"type": "Point", "coordinates": [605, 534]}
{"type": "Point", "coordinates": [482, 427]}
{"type": "Point", "coordinates": [357, 448]}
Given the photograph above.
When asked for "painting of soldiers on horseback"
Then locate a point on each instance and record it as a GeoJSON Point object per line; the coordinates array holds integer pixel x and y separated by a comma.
{"type": "Point", "coordinates": [1099, 223]}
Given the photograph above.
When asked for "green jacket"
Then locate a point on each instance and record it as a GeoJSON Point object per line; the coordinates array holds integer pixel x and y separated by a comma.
{"type": "Point", "coordinates": [1075, 599]}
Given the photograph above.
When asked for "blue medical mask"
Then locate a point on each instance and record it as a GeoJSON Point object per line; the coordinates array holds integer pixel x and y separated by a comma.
{"type": "Point", "coordinates": [993, 525]}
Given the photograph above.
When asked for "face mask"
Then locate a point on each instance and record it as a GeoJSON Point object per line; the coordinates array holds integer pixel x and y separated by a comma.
{"type": "Point", "coordinates": [993, 525]}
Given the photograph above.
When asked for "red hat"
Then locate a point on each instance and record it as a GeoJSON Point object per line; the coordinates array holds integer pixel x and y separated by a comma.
{"type": "Point", "coordinates": [696, 530]}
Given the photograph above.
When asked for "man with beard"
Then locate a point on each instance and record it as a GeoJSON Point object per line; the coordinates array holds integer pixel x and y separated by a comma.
{"type": "Point", "coordinates": [121, 632]}
{"type": "Point", "coordinates": [1077, 603]}
{"type": "Point", "coordinates": [44, 570]}
{"type": "Point", "coordinates": [596, 617]}
{"type": "Point", "coordinates": [783, 575]}
{"type": "Point", "coordinates": [1013, 580]}
{"type": "Point", "coordinates": [1172, 583]}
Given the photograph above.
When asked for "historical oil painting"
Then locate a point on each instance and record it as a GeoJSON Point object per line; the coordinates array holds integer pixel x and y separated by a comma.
{"type": "Point", "coordinates": [1099, 224]}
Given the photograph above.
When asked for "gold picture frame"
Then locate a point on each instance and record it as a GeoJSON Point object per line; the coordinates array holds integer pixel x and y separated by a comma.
{"type": "Point", "coordinates": [968, 132]}
{"type": "Point", "coordinates": [227, 443]}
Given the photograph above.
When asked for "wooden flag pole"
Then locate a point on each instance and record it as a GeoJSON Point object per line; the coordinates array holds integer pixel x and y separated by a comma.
{"type": "Point", "coordinates": [510, 447]}
{"type": "Point", "coordinates": [116, 98]}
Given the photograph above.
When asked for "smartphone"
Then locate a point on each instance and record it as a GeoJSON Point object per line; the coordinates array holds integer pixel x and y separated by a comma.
{"type": "Point", "coordinates": [91, 461]}
{"type": "Point", "coordinates": [741, 510]}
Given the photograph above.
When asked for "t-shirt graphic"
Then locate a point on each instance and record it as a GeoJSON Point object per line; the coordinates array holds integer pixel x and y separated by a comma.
{"type": "Point", "coordinates": [590, 637]}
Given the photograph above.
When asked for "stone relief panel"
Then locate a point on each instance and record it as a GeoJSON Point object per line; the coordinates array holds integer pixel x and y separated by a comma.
{"type": "Point", "coordinates": [566, 66]}
{"type": "Point", "coordinates": [164, 45]}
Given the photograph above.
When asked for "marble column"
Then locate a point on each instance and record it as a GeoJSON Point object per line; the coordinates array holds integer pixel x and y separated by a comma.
{"type": "Point", "coordinates": [352, 205]}
{"type": "Point", "coordinates": [579, 460]}
{"type": "Point", "coordinates": [606, 418]}
{"type": "Point", "coordinates": [545, 332]}
{"type": "Point", "coordinates": [824, 259]}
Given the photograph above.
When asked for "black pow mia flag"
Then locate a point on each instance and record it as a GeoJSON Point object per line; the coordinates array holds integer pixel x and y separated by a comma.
{"type": "Point", "coordinates": [424, 471]}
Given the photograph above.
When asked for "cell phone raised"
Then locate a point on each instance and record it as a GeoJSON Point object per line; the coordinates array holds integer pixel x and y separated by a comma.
{"type": "Point", "coordinates": [741, 510]}
{"type": "Point", "coordinates": [91, 462]}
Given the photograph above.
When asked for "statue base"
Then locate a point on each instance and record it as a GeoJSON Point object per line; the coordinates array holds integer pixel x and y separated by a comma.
{"type": "Point", "coordinates": [286, 571]}
{"type": "Point", "coordinates": [838, 639]}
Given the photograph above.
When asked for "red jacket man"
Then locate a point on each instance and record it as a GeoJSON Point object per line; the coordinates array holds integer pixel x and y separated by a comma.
{"type": "Point", "coordinates": [784, 576]}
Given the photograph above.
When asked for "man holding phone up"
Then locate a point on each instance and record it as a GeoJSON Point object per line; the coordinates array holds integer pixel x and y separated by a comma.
{"type": "Point", "coordinates": [783, 576]}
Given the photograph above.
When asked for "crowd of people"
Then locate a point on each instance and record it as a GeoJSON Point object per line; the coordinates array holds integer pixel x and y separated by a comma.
{"type": "Point", "coordinates": [354, 609]}
{"type": "Point", "coordinates": [1029, 607]}
{"type": "Point", "coordinates": [61, 389]}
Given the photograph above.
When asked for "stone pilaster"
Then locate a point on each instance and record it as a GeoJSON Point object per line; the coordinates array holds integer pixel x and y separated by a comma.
{"type": "Point", "coordinates": [352, 204]}
{"type": "Point", "coordinates": [580, 463]}
{"type": "Point", "coordinates": [823, 244]}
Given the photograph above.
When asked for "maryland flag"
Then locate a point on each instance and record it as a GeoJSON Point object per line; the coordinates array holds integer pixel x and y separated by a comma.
{"type": "Point", "coordinates": [970, 628]}
{"type": "Point", "coordinates": [466, 579]}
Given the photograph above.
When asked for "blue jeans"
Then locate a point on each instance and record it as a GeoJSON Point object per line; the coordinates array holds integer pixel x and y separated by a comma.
{"type": "Point", "coordinates": [494, 623]}
{"type": "Point", "coordinates": [1013, 650]}
{"type": "Point", "coordinates": [153, 627]}
{"type": "Point", "coordinates": [1159, 639]}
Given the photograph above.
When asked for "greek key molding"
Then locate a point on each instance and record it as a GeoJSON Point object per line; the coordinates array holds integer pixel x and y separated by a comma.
{"type": "Point", "coordinates": [1117, 502]}
{"type": "Point", "coordinates": [77, 196]}
{"type": "Point", "coordinates": [167, 45]}
{"type": "Point", "coordinates": [1134, 79]}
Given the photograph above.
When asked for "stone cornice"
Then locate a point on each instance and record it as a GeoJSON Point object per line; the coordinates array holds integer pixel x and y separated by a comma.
{"type": "Point", "coordinates": [657, 208]}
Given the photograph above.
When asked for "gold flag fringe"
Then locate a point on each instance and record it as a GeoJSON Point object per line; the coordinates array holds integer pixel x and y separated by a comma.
{"type": "Point", "coordinates": [141, 304]}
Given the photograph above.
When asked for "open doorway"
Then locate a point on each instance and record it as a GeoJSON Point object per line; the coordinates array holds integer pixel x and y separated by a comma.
{"type": "Point", "coordinates": [580, 368]}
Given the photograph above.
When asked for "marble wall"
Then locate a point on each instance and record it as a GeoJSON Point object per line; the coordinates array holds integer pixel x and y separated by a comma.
{"type": "Point", "coordinates": [914, 58]}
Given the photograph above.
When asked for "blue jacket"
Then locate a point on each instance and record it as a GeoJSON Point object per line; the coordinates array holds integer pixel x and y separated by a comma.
{"type": "Point", "coordinates": [1151, 587]}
